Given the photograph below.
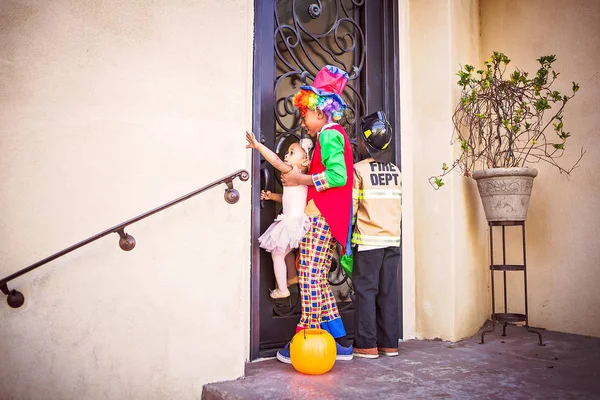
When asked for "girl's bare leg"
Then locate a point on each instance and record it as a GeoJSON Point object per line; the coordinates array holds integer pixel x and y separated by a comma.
{"type": "Point", "coordinates": [279, 267]}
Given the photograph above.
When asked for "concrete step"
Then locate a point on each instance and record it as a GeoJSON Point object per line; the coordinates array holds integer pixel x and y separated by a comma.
{"type": "Point", "coordinates": [511, 367]}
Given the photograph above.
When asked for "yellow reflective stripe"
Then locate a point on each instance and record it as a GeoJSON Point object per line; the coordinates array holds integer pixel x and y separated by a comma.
{"type": "Point", "coordinates": [358, 194]}
{"type": "Point", "coordinates": [376, 240]}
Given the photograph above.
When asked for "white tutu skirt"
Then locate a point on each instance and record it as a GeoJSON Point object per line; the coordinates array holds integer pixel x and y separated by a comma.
{"type": "Point", "coordinates": [285, 232]}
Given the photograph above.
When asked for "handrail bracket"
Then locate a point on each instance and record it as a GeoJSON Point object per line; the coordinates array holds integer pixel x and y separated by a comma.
{"type": "Point", "coordinates": [14, 298]}
{"type": "Point", "coordinates": [126, 241]}
{"type": "Point", "coordinates": [231, 195]}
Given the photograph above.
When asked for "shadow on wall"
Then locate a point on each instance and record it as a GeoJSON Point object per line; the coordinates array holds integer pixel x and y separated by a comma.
{"type": "Point", "coordinates": [477, 286]}
{"type": "Point", "coordinates": [475, 218]}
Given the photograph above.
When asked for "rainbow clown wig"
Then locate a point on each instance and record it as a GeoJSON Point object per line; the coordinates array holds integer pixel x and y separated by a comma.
{"type": "Point", "coordinates": [308, 100]}
{"type": "Point", "coordinates": [324, 94]}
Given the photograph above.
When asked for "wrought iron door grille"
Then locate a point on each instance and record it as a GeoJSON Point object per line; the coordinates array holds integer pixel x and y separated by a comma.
{"type": "Point", "coordinates": [309, 35]}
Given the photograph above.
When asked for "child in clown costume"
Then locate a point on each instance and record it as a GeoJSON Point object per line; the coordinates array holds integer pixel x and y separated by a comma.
{"type": "Point", "coordinates": [329, 203]}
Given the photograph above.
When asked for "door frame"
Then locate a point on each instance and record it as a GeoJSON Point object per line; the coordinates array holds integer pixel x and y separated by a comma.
{"type": "Point", "coordinates": [263, 103]}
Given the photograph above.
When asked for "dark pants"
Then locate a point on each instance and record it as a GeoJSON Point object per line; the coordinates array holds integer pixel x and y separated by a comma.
{"type": "Point", "coordinates": [375, 279]}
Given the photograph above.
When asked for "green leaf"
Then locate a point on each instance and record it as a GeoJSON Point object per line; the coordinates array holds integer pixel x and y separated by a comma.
{"type": "Point", "coordinates": [558, 146]}
{"type": "Point", "coordinates": [564, 135]}
{"type": "Point", "coordinates": [575, 87]}
{"type": "Point", "coordinates": [542, 104]}
{"type": "Point", "coordinates": [444, 167]}
{"type": "Point", "coordinates": [438, 182]}
{"type": "Point", "coordinates": [546, 61]}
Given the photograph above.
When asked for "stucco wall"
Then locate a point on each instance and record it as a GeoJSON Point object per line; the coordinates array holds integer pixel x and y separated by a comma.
{"type": "Point", "coordinates": [108, 109]}
{"type": "Point", "coordinates": [563, 224]}
{"type": "Point", "coordinates": [408, 205]}
{"type": "Point", "coordinates": [445, 229]}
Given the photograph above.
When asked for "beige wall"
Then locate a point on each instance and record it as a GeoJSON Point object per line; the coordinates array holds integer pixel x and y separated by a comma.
{"type": "Point", "coordinates": [563, 225]}
{"type": "Point", "coordinates": [444, 231]}
{"type": "Point", "coordinates": [110, 108]}
{"type": "Point", "coordinates": [408, 206]}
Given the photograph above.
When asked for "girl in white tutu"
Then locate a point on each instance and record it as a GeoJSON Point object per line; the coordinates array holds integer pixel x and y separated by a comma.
{"type": "Point", "coordinates": [289, 228]}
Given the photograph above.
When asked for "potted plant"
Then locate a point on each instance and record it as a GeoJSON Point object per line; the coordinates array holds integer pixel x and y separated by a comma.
{"type": "Point", "coordinates": [506, 121]}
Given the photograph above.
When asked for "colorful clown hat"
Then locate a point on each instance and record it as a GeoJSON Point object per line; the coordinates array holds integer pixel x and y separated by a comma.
{"type": "Point", "coordinates": [330, 81]}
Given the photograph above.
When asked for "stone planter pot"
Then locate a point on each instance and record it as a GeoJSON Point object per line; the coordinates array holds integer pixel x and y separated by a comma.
{"type": "Point", "coordinates": [505, 192]}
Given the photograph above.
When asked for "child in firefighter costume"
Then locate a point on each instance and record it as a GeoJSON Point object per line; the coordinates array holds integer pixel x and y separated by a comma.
{"type": "Point", "coordinates": [377, 208]}
{"type": "Point", "coordinates": [329, 203]}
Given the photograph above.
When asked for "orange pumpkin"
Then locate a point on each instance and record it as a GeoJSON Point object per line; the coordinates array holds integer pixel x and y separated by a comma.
{"type": "Point", "coordinates": [313, 351]}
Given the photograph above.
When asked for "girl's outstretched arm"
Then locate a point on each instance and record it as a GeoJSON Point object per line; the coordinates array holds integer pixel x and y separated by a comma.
{"type": "Point", "coordinates": [269, 155]}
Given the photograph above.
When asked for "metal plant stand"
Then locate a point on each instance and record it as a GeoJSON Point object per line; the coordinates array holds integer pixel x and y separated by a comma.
{"type": "Point", "coordinates": [507, 317]}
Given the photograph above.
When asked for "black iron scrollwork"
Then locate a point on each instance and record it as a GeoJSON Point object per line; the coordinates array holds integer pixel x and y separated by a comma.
{"type": "Point", "coordinates": [308, 36]}
{"type": "Point", "coordinates": [314, 10]}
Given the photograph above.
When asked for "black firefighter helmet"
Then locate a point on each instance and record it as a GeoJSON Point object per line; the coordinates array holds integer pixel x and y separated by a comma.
{"type": "Point", "coordinates": [377, 135]}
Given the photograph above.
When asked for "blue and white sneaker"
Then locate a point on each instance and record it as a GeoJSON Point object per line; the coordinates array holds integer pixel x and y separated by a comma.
{"type": "Point", "coordinates": [343, 353]}
{"type": "Point", "coordinates": [283, 355]}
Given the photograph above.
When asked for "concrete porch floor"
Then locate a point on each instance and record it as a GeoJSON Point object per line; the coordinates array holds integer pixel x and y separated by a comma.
{"type": "Point", "coordinates": [510, 367]}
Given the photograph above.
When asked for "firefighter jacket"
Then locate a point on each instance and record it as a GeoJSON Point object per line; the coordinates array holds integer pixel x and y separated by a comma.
{"type": "Point", "coordinates": [377, 204]}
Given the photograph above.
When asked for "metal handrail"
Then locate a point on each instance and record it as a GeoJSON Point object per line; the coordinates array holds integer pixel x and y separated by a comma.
{"type": "Point", "coordinates": [16, 299]}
